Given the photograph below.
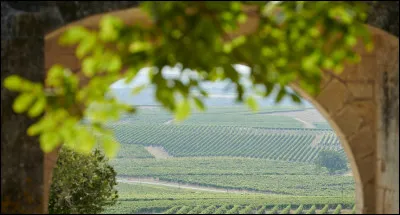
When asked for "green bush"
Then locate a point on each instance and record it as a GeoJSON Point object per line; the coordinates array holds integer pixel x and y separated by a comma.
{"type": "Point", "coordinates": [82, 183]}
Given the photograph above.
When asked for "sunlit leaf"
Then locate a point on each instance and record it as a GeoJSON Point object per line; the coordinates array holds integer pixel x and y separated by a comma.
{"type": "Point", "coordinates": [36, 128]}
{"type": "Point", "coordinates": [109, 26]}
{"type": "Point", "coordinates": [49, 141]}
{"type": "Point", "coordinates": [87, 45]}
{"type": "Point", "coordinates": [89, 66]}
{"type": "Point", "coordinates": [87, 141]}
{"type": "Point", "coordinates": [138, 89]}
{"type": "Point", "coordinates": [110, 146]}
{"type": "Point", "coordinates": [38, 107]}
{"type": "Point", "coordinates": [252, 103]}
{"type": "Point", "coordinates": [199, 104]}
{"type": "Point", "coordinates": [182, 110]}
{"type": "Point", "coordinates": [73, 35]}
{"type": "Point", "coordinates": [13, 82]}
{"type": "Point", "coordinates": [115, 64]}
{"type": "Point", "coordinates": [23, 102]}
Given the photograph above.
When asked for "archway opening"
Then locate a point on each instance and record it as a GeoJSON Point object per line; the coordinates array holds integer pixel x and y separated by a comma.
{"type": "Point", "coordinates": [351, 103]}
{"type": "Point", "coordinates": [263, 161]}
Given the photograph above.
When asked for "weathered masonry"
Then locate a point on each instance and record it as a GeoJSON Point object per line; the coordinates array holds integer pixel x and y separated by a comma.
{"type": "Point", "coordinates": [361, 104]}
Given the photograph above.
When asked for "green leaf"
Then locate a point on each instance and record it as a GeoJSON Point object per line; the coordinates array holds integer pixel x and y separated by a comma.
{"type": "Point", "coordinates": [252, 103]}
{"type": "Point", "coordinates": [242, 18]}
{"type": "Point", "coordinates": [328, 64]}
{"type": "Point", "coordinates": [238, 41]}
{"type": "Point", "coordinates": [49, 141]}
{"type": "Point", "coordinates": [369, 47]}
{"type": "Point", "coordinates": [351, 40]}
{"type": "Point", "coordinates": [110, 146]}
{"type": "Point", "coordinates": [115, 64]}
{"type": "Point", "coordinates": [281, 94]}
{"type": "Point", "coordinates": [38, 107]}
{"type": "Point", "coordinates": [236, 6]}
{"type": "Point", "coordinates": [73, 35]}
{"type": "Point", "coordinates": [227, 48]}
{"type": "Point", "coordinates": [199, 104]}
{"type": "Point", "coordinates": [13, 82]}
{"type": "Point", "coordinates": [138, 89]}
{"type": "Point", "coordinates": [22, 102]}
{"type": "Point", "coordinates": [109, 26]}
{"type": "Point", "coordinates": [36, 128]}
{"type": "Point", "coordinates": [295, 98]}
{"type": "Point", "coordinates": [87, 45]}
{"type": "Point", "coordinates": [86, 141]}
{"type": "Point", "coordinates": [227, 15]}
{"type": "Point", "coordinates": [139, 46]}
{"type": "Point", "coordinates": [182, 110]}
{"type": "Point", "coordinates": [89, 67]}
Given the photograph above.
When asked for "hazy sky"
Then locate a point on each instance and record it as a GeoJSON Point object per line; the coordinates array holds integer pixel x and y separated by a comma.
{"type": "Point", "coordinates": [218, 87]}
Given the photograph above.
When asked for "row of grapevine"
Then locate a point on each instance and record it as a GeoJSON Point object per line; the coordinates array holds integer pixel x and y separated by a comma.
{"type": "Point", "coordinates": [257, 209]}
{"type": "Point", "coordinates": [192, 141]}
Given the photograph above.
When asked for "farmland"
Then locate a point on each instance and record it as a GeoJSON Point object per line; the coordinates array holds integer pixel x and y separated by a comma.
{"type": "Point", "coordinates": [240, 173]}
{"type": "Point", "coordinates": [140, 198]}
{"type": "Point", "coordinates": [197, 140]}
{"type": "Point", "coordinates": [258, 162]}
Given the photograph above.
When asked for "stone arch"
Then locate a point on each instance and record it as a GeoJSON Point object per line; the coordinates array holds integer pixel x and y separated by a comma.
{"type": "Point", "coordinates": [361, 104]}
{"type": "Point", "coordinates": [352, 102]}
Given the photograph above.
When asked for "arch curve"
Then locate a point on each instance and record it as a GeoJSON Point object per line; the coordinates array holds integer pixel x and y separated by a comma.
{"type": "Point", "coordinates": [356, 103]}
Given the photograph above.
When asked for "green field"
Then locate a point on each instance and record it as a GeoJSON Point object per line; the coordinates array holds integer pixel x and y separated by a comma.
{"type": "Point", "coordinates": [219, 133]}
{"type": "Point", "coordinates": [253, 163]}
{"type": "Point", "coordinates": [240, 173]}
{"type": "Point", "coordinates": [199, 140]}
{"type": "Point", "coordinates": [140, 198]}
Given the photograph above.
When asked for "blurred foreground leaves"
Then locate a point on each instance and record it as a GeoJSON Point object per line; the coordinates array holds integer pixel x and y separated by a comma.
{"type": "Point", "coordinates": [293, 41]}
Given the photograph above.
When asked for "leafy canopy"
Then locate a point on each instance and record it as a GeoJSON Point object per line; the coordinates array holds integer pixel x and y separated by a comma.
{"type": "Point", "coordinates": [82, 189]}
{"type": "Point", "coordinates": [293, 42]}
{"type": "Point", "coordinates": [331, 160]}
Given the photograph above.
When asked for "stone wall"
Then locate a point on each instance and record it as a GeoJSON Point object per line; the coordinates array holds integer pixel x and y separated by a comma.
{"type": "Point", "coordinates": [23, 29]}
{"type": "Point", "coordinates": [25, 24]}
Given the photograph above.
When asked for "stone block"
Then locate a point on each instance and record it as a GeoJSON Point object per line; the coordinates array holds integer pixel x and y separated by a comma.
{"type": "Point", "coordinates": [361, 90]}
{"type": "Point", "coordinates": [369, 196]}
{"type": "Point", "coordinates": [363, 143]}
{"type": "Point", "coordinates": [349, 120]}
{"type": "Point", "coordinates": [366, 169]}
{"type": "Point", "coordinates": [363, 71]}
{"type": "Point", "coordinates": [68, 60]}
{"type": "Point", "coordinates": [367, 110]}
{"type": "Point", "coordinates": [333, 96]}
{"type": "Point", "coordinates": [326, 78]}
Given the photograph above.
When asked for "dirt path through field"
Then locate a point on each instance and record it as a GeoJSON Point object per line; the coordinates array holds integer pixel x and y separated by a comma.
{"type": "Point", "coordinates": [151, 181]}
{"type": "Point", "coordinates": [306, 124]}
{"type": "Point", "coordinates": [169, 122]}
{"type": "Point", "coordinates": [158, 152]}
{"type": "Point", "coordinates": [307, 117]}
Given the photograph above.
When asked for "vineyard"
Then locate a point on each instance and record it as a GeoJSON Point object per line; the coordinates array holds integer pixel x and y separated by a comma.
{"type": "Point", "coordinates": [249, 174]}
{"type": "Point", "coordinates": [197, 141]}
{"type": "Point", "coordinates": [260, 209]}
{"type": "Point", "coordinates": [153, 199]}
{"type": "Point", "coordinates": [228, 161]}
